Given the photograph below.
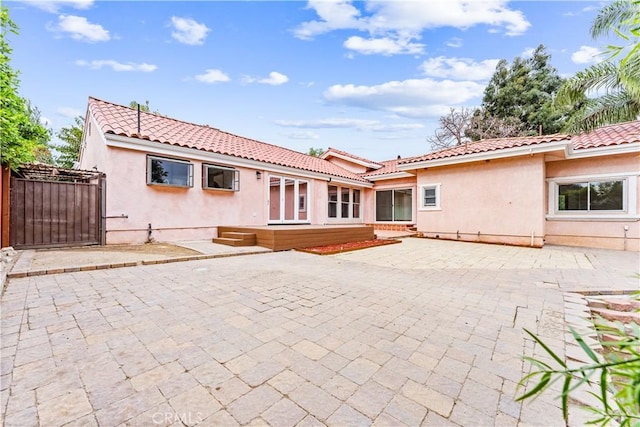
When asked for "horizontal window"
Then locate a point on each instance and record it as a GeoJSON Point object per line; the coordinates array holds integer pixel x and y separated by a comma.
{"type": "Point", "coordinates": [220, 178]}
{"type": "Point", "coordinates": [598, 197]}
{"type": "Point", "coordinates": [170, 172]}
{"type": "Point", "coordinates": [591, 196]}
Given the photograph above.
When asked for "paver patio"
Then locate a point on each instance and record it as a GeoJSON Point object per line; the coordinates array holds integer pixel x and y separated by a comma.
{"type": "Point", "coordinates": [421, 333]}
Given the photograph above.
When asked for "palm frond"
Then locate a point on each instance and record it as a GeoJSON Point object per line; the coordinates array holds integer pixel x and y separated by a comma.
{"type": "Point", "coordinates": [619, 15]}
{"type": "Point", "coordinates": [607, 109]}
{"type": "Point", "coordinates": [600, 76]}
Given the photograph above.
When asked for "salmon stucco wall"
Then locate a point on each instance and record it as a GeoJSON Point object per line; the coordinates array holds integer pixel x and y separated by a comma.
{"type": "Point", "coordinates": [389, 184]}
{"type": "Point", "coordinates": [495, 201]}
{"type": "Point", "coordinates": [622, 233]}
{"type": "Point", "coordinates": [177, 213]}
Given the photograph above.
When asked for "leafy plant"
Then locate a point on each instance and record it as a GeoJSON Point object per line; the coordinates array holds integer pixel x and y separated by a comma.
{"type": "Point", "coordinates": [617, 374]}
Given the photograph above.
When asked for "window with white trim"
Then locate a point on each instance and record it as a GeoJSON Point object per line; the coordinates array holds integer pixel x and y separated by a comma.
{"type": "Point", "coordinates": [604, 196]}
{"type": "Point", "coordinates": [169, 172]}
{"type": "Point", "coordinates": [220, 178]}
{"type": "Point", "coordinates": [344, 202]}
{"type": "Point", "coordinates": [430, 197]}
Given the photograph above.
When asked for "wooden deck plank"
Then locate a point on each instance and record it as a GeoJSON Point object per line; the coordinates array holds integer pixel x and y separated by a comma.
{"type": "Point", "coordinates": [279, 238]}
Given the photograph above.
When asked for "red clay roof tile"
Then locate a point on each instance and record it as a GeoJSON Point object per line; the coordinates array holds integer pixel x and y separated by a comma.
{"type": "Point", "coordinates": [616, 134]}
{"type": "Point", "coordinates": [120, 120]}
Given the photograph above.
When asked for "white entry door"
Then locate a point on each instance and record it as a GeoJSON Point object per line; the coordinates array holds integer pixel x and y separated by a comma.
{"type": "Point", "coordinates": [288, 200]}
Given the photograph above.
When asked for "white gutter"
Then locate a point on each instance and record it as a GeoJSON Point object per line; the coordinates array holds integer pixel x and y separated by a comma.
{"type": "Point", "coordinates": [152, 147]}
{"type": "Point", "coordinates": [489, 155]}
{"type": "Point", "coordinates": [582, 153]}
{"type": "Point", "coordinates": [393, 175]}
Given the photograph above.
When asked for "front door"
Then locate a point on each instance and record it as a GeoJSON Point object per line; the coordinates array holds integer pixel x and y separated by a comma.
{"type": "Point", "coordinates": [288, 200]}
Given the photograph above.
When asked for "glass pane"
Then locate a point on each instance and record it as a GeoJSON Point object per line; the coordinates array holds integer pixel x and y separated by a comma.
{"type": "Point", "coordinates": [606, 196]}
{"type": "Point", "coordinates": [220, 178]}
{"type": "Point", "coordinates": [402, 205]}
{"type": "Point", "coordinates": [289, 202]}
{"type": "Point", "coordinates": [168, 172]}
{"type": "Point", "coordinates": [356, 204]}
{"type": "Point", "coordinates": [333, 193]}
{"type": "Point", "coordinates": [344, 212]}
{"type": "Point", "coordinates": [302, 200]}
{"type": "Point", "coordinates": [572, 197]}
{"type": "Point", "coordinates": [333, 201]}
{"type": "Point", "coordinates": [356, 196]}
{"type": "Point", "coordinates": [345, 194]}
{"type": "Point", "coordinates": [384, 206]}
{"type": "Point", "coordinates": [274, 198]}
{"type": "Point", "coordinates": [429, 197]}
{"type": "Point", "coordinates": [356, 210]}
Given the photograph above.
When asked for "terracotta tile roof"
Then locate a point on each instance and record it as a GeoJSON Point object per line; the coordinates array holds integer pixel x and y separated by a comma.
{"type": "Point", "coordinates": [344, 153]}
{"type": "Point", "coordinates": [486, 146]}
{"type": "Point", "coordinates": [388, 167]}
{"type": "Point", "coordinates": [120, 120]}
{"type": "Point", "coordinates": [605, 136]}
{"type": "Point", "coordinates": [617, 134]}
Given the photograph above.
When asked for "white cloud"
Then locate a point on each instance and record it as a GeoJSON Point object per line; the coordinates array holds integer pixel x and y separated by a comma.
{"type": "Point", "coordinates": [212, 76]}
{"type": "Point", "coordinates": [69, 112]}
{"type": "Point", "coordinates": [528, 52]}
{"type": "Point", "coordinates": [389, 21]}
{"type": "Point", "coordinates": [454, 42]}
{"type": "Point", "coordinates": [53, 6]}
{"type": "Point", "coordinates": [116, 66]}
{"type": "Point", "coordinates": [46, 122]}
{"type": "Point", "coordinates": [275, 79]}
{"type": "Point", "coordinates": [345, 123]}
{"type": "Point", "coordinates": [459, 68]}
{"type": "Point", "coordinates": [383, 46]}
{"type": "Point", "coordinates": [587, 55]}
{"type": "Point", "coordinates": [408, 98]}
{"type": "Point", "coordinates": [188, 31]}
{"type": "Point", "coordinates": [79, 28]}
{"type": "Point", "coordinates": [302, 135]}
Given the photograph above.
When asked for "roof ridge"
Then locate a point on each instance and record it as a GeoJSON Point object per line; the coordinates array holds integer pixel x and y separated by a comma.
{"type": "Point", "coordinates": [204, 126]}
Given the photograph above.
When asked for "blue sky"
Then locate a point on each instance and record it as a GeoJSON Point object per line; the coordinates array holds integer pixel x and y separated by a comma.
{"type": "Point", "coordinates": [371, 78]}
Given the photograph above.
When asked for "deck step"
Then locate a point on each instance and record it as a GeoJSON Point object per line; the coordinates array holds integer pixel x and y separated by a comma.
{"type": "Point", "coordinates": [234, 238]}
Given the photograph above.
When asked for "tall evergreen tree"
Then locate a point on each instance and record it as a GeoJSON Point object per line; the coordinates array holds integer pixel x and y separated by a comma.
{"type": "Point", "coordinates": [520, 96]}
{"type": "Point", "coordinates": [72, 138]}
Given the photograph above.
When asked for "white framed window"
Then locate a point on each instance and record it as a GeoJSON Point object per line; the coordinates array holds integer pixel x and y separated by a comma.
{"type": "Point", "coordinates": [430, 197]}
{"type": "Point", "coordinates": [593, 197]}
{"type": "Point", "coordinates": [169, 172]}
{"type": "Point", "coordinates": [394, 205]}
{"type": "Point", "coordinates": [220, 178]}
{"type": "Point", "coordinates": [344, 202]}
{"type": "Point", "coordinates": [302, 202]}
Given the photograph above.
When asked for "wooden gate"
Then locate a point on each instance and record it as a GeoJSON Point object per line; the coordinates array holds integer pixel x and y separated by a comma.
{"type": "Point", "coordinates": [47, 214]}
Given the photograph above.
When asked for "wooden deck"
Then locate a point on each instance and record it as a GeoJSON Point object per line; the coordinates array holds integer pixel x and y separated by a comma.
{"type": "Point", "coordinates": [284, 237]}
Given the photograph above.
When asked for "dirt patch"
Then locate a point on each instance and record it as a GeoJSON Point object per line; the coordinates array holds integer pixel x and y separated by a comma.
{"type": "Point", "coordinates": [165, 249]}
{"type": "Point", "coordinates": [347, 247]}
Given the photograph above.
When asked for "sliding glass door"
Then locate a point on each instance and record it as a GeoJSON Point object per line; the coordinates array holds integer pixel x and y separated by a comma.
{"type": "Point", "coordinates": [394, 205]}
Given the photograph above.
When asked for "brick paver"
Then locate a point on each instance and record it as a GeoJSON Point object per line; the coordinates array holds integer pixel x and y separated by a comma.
{"type": "Point", "coordinates": [421, 333]}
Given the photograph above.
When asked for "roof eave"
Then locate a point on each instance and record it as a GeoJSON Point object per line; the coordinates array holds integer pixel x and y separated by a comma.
{"type": "Point", "coordinates": [489, 155]}
{"type": "Point", "coordinates": [392, 175]}
{"type": "Point", "coordinates": [581, 153]}
{"type": "Point", "coordinates": [154, 147]}
{"type": "Point", "coordinates": [369, 165]}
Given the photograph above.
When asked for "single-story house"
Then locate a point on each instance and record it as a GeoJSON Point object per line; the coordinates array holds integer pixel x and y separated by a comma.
{"type": "Point", "coordinates": [180, 181]}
